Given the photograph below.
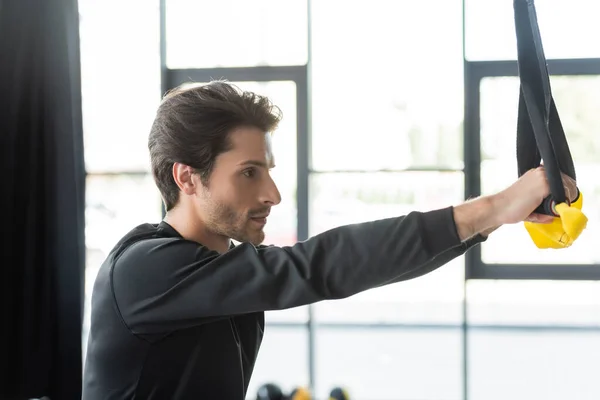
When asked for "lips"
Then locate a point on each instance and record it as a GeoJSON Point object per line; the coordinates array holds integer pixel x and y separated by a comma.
{"type": "Point", "coordinates": [260, 219]}
{"type": "Point", "coordinates": [261, 215]}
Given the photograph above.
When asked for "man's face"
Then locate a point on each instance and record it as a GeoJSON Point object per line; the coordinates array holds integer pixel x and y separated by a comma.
{"type": "Point", "coordinates": [240, 191]}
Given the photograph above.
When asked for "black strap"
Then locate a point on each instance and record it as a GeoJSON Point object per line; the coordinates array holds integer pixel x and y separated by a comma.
{"type": "Point", "coordinates": [540, 135]}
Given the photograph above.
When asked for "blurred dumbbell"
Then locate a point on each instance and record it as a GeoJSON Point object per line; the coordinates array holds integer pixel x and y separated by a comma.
{"type": "Point", "coordinates": [269, 391]}
{"type": "Point", "coordinates": [300, 393]}
{"type": "Point", "coordinates": [339, 394]}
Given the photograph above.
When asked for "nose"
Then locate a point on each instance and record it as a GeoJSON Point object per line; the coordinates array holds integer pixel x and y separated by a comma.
{"type": "Point", "coordinates": [270, 194]}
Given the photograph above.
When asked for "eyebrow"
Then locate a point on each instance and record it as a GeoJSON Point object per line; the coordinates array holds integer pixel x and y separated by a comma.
{"type": "Point", "coordinates": [257, 163]}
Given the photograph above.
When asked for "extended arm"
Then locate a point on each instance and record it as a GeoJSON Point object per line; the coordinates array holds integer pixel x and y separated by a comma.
{"type": "Point", "coordinates": [184, 283]}
{"type": "Point", "coordinates": [474, 223]}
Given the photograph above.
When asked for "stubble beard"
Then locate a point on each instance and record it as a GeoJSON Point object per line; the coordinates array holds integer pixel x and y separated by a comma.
{"type": "Point", "coordinates": [227, 222]}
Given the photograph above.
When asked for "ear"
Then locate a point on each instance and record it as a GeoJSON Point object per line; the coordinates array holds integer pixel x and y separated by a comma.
{"type": "Point", "coordinates": [184, 178]}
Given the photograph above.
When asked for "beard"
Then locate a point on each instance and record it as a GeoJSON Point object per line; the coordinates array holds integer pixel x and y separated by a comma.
{"type": "Point", "coordinates": [224, 220]}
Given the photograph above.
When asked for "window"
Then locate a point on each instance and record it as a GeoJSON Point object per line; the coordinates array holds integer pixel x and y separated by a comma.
{"type": "Point", "coordinates": [236, 33]}
{"type": "Point", "coordinates": [387, 95]}
{"type": "Point", "coordinates": [282, 225]}
{"type": "Point", "coordinates": [390, 364]}
{"type": "Point", "coordinates": [120, 73]}
{"type": "Point", "coordinates": [535, 338]}
{"type": "Point", "coordinates": [281, 229]}
{"type": "Point", "coordinates": [381, 99]}
{"type": "Point", "coordinates": [282, 360]}
{"type": "Point", "coordinates": [547, 364]}
{"type": "Point", "coordinates": [115, 204]}
{"type": "Point", "coordinates": [344, 198]}
{"type": "Point", "coordinates": [577, 100]}
{"type": "Point", "coordinates": [566, 29]}
{"type": "Point", "coordinates": [534, 303]}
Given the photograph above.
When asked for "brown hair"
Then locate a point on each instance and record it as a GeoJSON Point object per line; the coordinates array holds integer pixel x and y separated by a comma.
{"type": "Point", "coordinates": [192, 127]}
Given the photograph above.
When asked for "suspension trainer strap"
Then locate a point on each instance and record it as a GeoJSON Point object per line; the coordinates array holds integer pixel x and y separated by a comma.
{"type": "Point", "coordinates": [540, 136]}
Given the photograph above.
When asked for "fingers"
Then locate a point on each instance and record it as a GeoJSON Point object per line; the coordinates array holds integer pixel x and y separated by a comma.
{"type": "Point", "coordinates": [570, 187]}
{"type": "Point", "coordinates": [569, 184]}
{"type": "Point", "coordinates": [540, 218]}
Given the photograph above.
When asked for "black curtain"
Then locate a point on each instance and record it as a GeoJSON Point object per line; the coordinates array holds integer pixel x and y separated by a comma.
{"type": "Point", "coordinates": [43, 196]}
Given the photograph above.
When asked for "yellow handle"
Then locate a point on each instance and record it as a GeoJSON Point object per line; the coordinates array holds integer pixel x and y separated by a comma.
{"type": "Point", "coordinates": [563, 230]}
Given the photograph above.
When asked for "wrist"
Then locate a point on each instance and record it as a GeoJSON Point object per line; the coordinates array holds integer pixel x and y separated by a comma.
{"type": "Point", "coordinates": [487, 232]}
{"type": "Point", "coordinates": [476, 216]}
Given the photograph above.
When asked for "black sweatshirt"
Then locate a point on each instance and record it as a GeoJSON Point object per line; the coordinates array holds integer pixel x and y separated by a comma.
{"type": "Point", "coordinates": [172, 319]}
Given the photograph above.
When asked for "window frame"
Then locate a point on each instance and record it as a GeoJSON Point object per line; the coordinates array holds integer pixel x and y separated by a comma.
{"type": "Point", "coordinates": [475, 72]}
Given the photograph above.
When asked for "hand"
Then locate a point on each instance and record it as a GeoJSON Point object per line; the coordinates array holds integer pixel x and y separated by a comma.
{"type": "Point", "coordinates": [514, 204]}
{"type": "Point", "coordinates": [517, 202]}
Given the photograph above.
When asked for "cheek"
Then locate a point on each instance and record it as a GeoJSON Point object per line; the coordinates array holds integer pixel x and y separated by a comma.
{"type": "Point", "coordinates": [231, 195]}
{"type": "Point", "coordinates": [229, 198]}
{"type": "Point", "coordinates": [242, 192]}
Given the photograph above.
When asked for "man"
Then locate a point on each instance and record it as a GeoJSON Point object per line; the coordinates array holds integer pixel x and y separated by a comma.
{"type": "Point", "coordinates": [178, 311]}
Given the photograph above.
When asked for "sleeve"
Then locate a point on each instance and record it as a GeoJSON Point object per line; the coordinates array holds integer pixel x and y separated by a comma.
{"type": "Point", "coordinates": [441, 259]}
{"type": "Point", "coordinates": [165, 284]}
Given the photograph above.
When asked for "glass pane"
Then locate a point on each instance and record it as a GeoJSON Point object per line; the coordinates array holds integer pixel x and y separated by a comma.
{"type": "Point", "coordinates": [120, 74]}
{"type": "Point", "coordinates": [531, 303]}
{"type": "Point", "coordinates": [282, 227]}
{"type": "Point", "coordinates": [236, 33]}
{"type": "Point", "coordinates": [344, 198]}
{"type": "Point", "coordinates": [114, 205]}
{"type": "Point", "coordinates": [549, 365]}
{"type": "Point", "coordinates": [394, 108]}
{"type": "Point", "coordinates": [577, 99]}
{"type": "Point", "coordinates": [390, 364]}
{"type": "Point", "coordinates": [567, 29]}
{"type": "Point", "coordinates": [282, 360]}
{"type": "Point", "coordinates": [524, 334]}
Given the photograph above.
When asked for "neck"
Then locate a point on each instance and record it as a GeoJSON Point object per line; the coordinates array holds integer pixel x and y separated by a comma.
{"type": "Point", "coordinates": [195, 230]}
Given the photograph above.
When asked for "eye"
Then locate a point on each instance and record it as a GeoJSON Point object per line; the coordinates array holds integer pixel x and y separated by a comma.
{"type": "Point", "coordinates": [249, 173]}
